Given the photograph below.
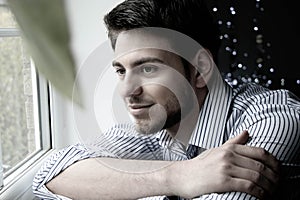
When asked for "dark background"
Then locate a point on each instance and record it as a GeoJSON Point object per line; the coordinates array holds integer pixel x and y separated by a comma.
{"type": "Point", "coordinates": [269, 55]}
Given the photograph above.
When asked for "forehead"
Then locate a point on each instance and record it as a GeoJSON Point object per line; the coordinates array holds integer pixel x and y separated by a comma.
{"type": "Point", "coordinates": [156, 38]}
{"type": "Point", "coordinates": [132, 46]}
{"type": "Point", "coordinates": [133, 41]}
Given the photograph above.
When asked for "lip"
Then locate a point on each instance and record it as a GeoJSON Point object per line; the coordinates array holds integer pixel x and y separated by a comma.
{"type": "Point", "coordinates": [139, 109]}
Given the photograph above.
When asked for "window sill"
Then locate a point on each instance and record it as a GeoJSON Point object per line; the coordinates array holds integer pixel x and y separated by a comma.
{"type": "Point", "coordinates": [19, 187]}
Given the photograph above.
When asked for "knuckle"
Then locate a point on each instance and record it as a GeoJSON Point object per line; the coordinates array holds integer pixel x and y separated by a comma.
{"type": "Point", "coordinates": [262, 152]}
{"type": "Point", "coordinates": [226, 167]}
{"type": "Point", "coordinates": [250, 186]}
{"type": "Point", "coordinates": [229, 147]}
{"type": "Point", "coordinates": [226, 155]}
{"type": "Point", "coordinates": [256, 177]}
{"type": "Point", "coordinates": [260, 167]}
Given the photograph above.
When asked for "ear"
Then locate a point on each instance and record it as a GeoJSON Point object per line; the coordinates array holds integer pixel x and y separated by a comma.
{"type": "Point", "coordinates": [203, 63]}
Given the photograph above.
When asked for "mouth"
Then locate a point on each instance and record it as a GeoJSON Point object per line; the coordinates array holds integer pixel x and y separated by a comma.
{"type": "Point", "coordinates": [139, 109]}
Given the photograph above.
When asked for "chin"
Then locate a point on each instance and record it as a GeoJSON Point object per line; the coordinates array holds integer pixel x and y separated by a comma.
{"type": "Point", "coordinates": [148, 127]}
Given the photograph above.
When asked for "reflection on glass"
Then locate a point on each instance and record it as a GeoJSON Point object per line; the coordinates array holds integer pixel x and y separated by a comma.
{"type": "Point", "coordinates": [17, 124]}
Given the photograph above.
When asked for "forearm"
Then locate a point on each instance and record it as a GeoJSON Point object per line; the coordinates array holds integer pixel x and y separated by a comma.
{"type": "Point", "coordinates": [105, 178]}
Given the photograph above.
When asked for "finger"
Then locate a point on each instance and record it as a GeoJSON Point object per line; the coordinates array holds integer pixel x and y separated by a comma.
{"type": "Point", "coordinates": [258, 167]}
{"type": "Point", "coordinates": [258, 154]}
{"type": "Point", "coordinates": [242, 185]}
{"type": "Point", "coordinates": [254, 176]}
{"type": "Point", "coordinates": [239, 139]}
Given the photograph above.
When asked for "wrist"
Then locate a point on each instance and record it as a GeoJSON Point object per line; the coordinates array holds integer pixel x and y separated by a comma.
{"type": "Point", "coordinates": [173, 179]}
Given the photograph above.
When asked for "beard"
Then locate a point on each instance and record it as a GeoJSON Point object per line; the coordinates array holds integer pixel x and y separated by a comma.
{"type": "Point", "coordinates": [162, 116]}
{"type": "Point", "coordinates": [159, 117]}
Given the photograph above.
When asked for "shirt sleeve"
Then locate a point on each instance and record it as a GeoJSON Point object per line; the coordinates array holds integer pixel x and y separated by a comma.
{"type": "Point", "coordinates": [226, 196]}
{"type": "Point", "coordinates": [118, 142]}
{"type": "Point", "coordinates": [276, 128]}
{"type": "Point", "coordinates": [55, 164]}
{"type": "Point", "coordinates": [62, 159]}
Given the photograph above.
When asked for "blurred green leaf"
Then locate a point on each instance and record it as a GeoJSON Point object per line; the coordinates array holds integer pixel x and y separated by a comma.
{"type": "Point", "coordinates": [45, 28]}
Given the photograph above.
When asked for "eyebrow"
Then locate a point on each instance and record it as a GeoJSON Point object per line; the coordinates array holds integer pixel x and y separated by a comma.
{"type": "Point", "coordinates": [139, 62]}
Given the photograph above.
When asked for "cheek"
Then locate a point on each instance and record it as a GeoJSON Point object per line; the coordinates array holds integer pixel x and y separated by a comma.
{"type": "Point", "coordinates": [161, 95]}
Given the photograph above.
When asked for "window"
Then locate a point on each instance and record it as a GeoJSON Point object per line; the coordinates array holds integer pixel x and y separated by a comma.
{"type": "Point", "coordinates": [24, 106]}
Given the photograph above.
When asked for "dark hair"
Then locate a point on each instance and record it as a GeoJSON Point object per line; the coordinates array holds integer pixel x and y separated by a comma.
{"type": "Point", "coordinates": [190, 17]}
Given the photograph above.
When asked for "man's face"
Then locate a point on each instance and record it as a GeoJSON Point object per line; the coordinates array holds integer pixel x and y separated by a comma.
{"type": "Point", "coordinates": [152, 81]}
{"type": "Point", "coordinates": [153, 86]}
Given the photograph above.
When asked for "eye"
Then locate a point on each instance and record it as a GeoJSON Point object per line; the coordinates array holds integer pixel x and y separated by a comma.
{"type": "Point", "coordinates": [120, 71]}
{"type": "Point", "coordinates": [149, 69]}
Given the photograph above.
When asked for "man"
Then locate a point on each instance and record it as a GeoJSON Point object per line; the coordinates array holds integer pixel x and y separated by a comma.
{"type": "Point", "coordinates": [184, 116]}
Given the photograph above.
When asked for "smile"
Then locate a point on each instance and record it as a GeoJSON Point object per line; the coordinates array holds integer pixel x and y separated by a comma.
{"type": "Point", "coordinates": [139, 109]}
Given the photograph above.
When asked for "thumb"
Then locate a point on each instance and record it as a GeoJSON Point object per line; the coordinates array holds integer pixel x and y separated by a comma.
{"type": "Point", "coordinates": [239, 139]}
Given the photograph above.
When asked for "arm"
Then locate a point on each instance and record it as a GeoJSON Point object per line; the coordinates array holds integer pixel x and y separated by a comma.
{"type": "Point", "coordinates": [103, 178]}
{"type": "Point", "coordinates": [240, 169]}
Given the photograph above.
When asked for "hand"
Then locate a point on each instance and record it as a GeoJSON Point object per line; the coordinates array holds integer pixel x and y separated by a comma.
{"type": "Point", "coordinates": [230, 167]}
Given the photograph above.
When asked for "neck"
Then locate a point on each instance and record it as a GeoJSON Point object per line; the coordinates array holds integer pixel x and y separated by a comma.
{"type": "Point", "coordinates": [183, 130]}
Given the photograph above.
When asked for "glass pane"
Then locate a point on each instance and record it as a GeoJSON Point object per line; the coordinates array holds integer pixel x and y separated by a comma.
{"type": "Point", "coordinates": [7, 20]}
{"type": "Point", "coordinates": [17, 128]}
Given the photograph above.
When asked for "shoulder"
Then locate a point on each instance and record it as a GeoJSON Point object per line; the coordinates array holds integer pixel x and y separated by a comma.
{"type": "Point", "coordinates": [251, 94]}
{"type": "Point", "coordinates": [271, 114]}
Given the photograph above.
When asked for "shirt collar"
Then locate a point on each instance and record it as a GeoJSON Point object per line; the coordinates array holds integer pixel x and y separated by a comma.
{"type": "Point", "coordinates": [210, 127]}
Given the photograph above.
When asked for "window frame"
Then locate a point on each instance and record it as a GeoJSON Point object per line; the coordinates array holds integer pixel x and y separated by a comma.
{"type": "Point", "coordinates": [22, 174]}
{"type": "Point", "coordinates": [13, 184]}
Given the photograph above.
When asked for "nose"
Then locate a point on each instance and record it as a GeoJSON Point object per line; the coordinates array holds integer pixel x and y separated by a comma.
{"type": "Point", "coordinates": [130, 86]}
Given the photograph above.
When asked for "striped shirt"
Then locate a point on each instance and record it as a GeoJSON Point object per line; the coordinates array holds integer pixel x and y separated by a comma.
{"type": "Point", "coordinates": [272, 118]}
